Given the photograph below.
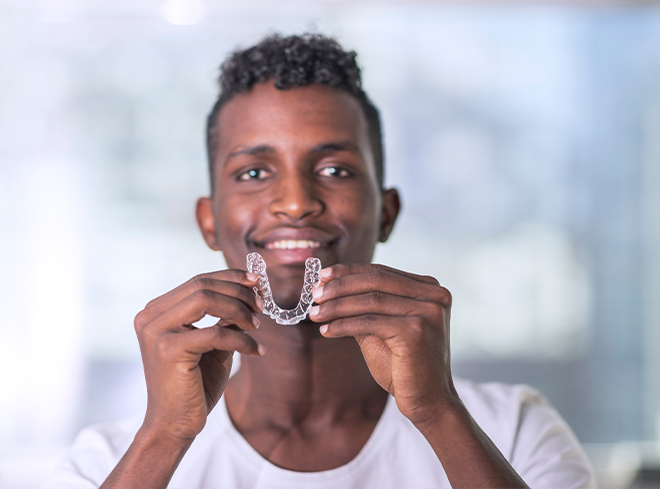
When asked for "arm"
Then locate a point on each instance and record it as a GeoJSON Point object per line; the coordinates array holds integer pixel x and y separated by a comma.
{"type": "Point", "coordinates": [150, 461]}
{"type": "Point", "coordinates": [467, 454]}
{"type": "Point", "coordinates": [186, 370]}
{"type": "Point", "coordinates": [401, 322]}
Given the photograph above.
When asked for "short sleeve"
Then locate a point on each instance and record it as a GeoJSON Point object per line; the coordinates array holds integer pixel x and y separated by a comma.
{"type": "Point", "coordinates": [545, 452]}
{"type": "Point", "coordinates": [95, 452]}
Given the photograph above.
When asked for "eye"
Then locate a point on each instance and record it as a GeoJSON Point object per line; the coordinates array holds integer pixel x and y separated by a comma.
{"type": "Point", "coordinates": [334, 171]}
{"type": "Point", "coordinates": [254, 174]}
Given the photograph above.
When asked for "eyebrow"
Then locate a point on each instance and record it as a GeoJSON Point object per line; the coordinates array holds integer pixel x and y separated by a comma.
{"type": "Point", "coordinates": [261, 149]}
{"type": "Point", "coordinates": [265, 149]}
{"type": "Point", "coordinates": [335, 146]}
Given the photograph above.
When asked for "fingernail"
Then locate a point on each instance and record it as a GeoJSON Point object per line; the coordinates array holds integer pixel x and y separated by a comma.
{"type": "Point", "coordinates": [314, 311]}
{"type": "Point", "coordinates": [261, 349]}
{"type": "Point", "coordinates": [318, 292]}
{"type": "Point", "coordinates": [260, 303]}
{"type": "Point", "coordinates": [325, 273]}
{"type": "Point", "coordinates": [323, 329]}
{"type": "Point", "coordinates": [252, 277]}
{"type": "Point", "coordinates": [255, 321]}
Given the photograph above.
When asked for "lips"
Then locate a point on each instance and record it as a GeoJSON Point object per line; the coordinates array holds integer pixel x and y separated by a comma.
{"type": "Point", "coordinates": [291, 240]}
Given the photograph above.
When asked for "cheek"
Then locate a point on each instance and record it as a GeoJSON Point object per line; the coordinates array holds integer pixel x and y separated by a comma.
{"type": "Point", "coordinates": [233, 218]}
{"type": "Point", "coordinates": [362, 215]}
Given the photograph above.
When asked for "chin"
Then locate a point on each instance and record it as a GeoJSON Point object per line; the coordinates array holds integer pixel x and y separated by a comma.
{"type": "Point", "coordinates": [288, 302]}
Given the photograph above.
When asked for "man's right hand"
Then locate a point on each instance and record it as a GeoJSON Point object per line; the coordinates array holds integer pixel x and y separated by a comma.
{"type": "Point", "coordinates": [186, 368]}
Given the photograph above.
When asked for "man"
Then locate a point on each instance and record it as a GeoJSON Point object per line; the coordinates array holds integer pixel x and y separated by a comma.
{"type": "Point", "coordinates": [361, 393]}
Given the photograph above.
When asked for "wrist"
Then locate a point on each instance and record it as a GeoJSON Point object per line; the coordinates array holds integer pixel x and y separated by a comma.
{"type": "Point", "coordinates": [150, 461]}
{"type": "Point", "coordinates": [170, 428]}
{"type": "Point", "coordinates": [436, 407]}
{"type": "Point", "coordinates": [441, 416]}
{"type": "Point", "coordinates": [150, 437]}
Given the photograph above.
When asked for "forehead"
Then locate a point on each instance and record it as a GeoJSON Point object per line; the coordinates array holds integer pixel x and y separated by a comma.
{"type": "Point", "coordinates": [291, 120]}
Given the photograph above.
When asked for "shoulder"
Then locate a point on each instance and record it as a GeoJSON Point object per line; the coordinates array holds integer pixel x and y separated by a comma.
{"type": "Point", "coordinates": [492, 396]}
{"type": "Point", "coordinates": [511, 415]}
{"type": "Point", "coordinates": [98, 448]}
{"type": "Point", "coordinates": [529, 432]}
{"type": "Point", "coordinates": [498, 408]}
{"type": "Point", "coordinates": [115, 435]}
{"type": "Point", "coordinates": [94, 453]}
{"type": "Point", "coordinates": [495, 396]}
{"type": "Point", "coordinates": [113, 438]}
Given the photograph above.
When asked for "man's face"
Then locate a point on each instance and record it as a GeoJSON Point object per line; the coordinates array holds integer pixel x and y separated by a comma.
{"type": "Point", "coordinates": [294, 177]}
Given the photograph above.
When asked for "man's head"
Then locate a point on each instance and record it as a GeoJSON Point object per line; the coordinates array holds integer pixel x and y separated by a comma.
{"type": "Point", "coordinates": [295, 175]}
{"type": "Point", "coordinates": [291, 62]}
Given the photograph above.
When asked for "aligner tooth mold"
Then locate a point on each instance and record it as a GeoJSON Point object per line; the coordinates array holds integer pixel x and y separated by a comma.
{"type": "Point", "coordinates": [257, 265]}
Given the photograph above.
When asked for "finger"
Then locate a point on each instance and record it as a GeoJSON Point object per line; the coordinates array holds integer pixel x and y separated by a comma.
{"type": "Point", "coordinates": [189, 345]}
{"type": "Point", "coordinates": [373, 302]}
{"type": "Point", "coordinates": [241, 277]}
{"type": "Point", "coordinates": [236, 289]}
{"type": "Point", "coordinates": [229, 289]}
{"type": "Point", "coordinates": [198, 304]}
{"type": "Point", "coordinates": [342, 269]}
{"type": "Point", "coordinates": [200, 341]}
{"type": "Point", "coordinates": [378, 325]}
{"type": "Point", "coordinates": [383, 279]}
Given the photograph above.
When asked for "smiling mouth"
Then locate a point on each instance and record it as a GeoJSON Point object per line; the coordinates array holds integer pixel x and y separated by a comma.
{"type": "Point", "coordinates": [293, 244]}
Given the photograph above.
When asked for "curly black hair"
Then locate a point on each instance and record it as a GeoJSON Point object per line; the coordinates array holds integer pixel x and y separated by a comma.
{"type": "Point", "coordinates": [294, 61]}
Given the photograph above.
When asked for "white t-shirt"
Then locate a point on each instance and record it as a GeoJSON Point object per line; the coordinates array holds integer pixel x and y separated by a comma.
{"type": "Point", "coordinates": [528, 431]}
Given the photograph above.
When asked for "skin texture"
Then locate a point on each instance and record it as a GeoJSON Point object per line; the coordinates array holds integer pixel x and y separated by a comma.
{"type": "Point", "coordinates": [297, 165]}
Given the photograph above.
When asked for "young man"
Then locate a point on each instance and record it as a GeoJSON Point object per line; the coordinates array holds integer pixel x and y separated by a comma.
{"type": "Point", "coordinates": [361, 393]}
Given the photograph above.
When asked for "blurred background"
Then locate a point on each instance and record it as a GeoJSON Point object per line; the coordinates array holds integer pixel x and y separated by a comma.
{"type": "Point", "coordinates": [524, 138]}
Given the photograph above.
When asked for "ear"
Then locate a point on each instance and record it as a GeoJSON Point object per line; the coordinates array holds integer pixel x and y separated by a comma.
{"type": "Point", "coordinates": [390, 210]}
{"type": "Point", "coordinates": [206, 222]}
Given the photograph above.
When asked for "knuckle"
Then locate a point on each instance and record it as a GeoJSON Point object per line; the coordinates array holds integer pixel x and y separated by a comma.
{"type": "Point", "coordinates": [220, 332]}
{"type": "Point", "coordinates": [336, 326]}
{"type": "Point", "coordinates": [236, 289]}
{"type": "Point", "coordinates": [335, 286]}
{"type": "Point", "coordinates": [163, 346]}
{"type": "Point", "coordinates": [201, 296]}
{"type": "Point", "coordinates": [435, 309]}
{"type": "Point", "coordinates": [236, 309]}
{"type": "Point", "coordinates": [376, 298]}
{"type": "Point", "coordinates": [378, 272]}
{"type": "Point", "coordinates": [368, 320]}
{"type": "Point", "coordinates": [416, 327]}
{"type": "Point", "coordinates": [431, 280]}
{"type": "Point", "coordinates": [233, 274]}
{"type": "Point", "coordinates": [444, 296]}
{"type": "Point", "coordinates": [244, 294]}
{"type": "Point", "coordinates": [140, 320]}
{"type": "Point", "coordinates": [147, 334]}
{"type": "Point", "coordinates": [195, 282]}
{"type": "Point", "coordinates": [440, 294]}
{"type": "Point", "coordinates": [238, 340]}
{"type": "Point", "coordinates": [330, 307]}
{"type": "Point", "coordinates": [201, 281]}
{"type": "Point", "coordinates": [248, 342]}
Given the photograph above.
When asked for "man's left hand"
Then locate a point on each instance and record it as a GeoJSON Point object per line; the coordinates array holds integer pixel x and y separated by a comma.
{"type": "Point", "coordinates": [401, 322]}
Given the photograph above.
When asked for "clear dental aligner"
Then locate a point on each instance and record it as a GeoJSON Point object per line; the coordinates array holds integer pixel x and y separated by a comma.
{"type": "Point", "coordinates": [257, 265]}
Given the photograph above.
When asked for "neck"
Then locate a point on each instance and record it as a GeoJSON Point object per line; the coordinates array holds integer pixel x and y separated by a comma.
{"type": "Point", "coordinates": [303, 378]}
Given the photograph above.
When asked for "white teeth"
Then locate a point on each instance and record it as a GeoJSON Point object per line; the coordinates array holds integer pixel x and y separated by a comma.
{"type": "Point", "coordinates": [292, 244]}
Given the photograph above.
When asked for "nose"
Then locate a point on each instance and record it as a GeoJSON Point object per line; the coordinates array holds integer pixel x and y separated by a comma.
{"type": "Point", "coordinates": [295, 198]}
